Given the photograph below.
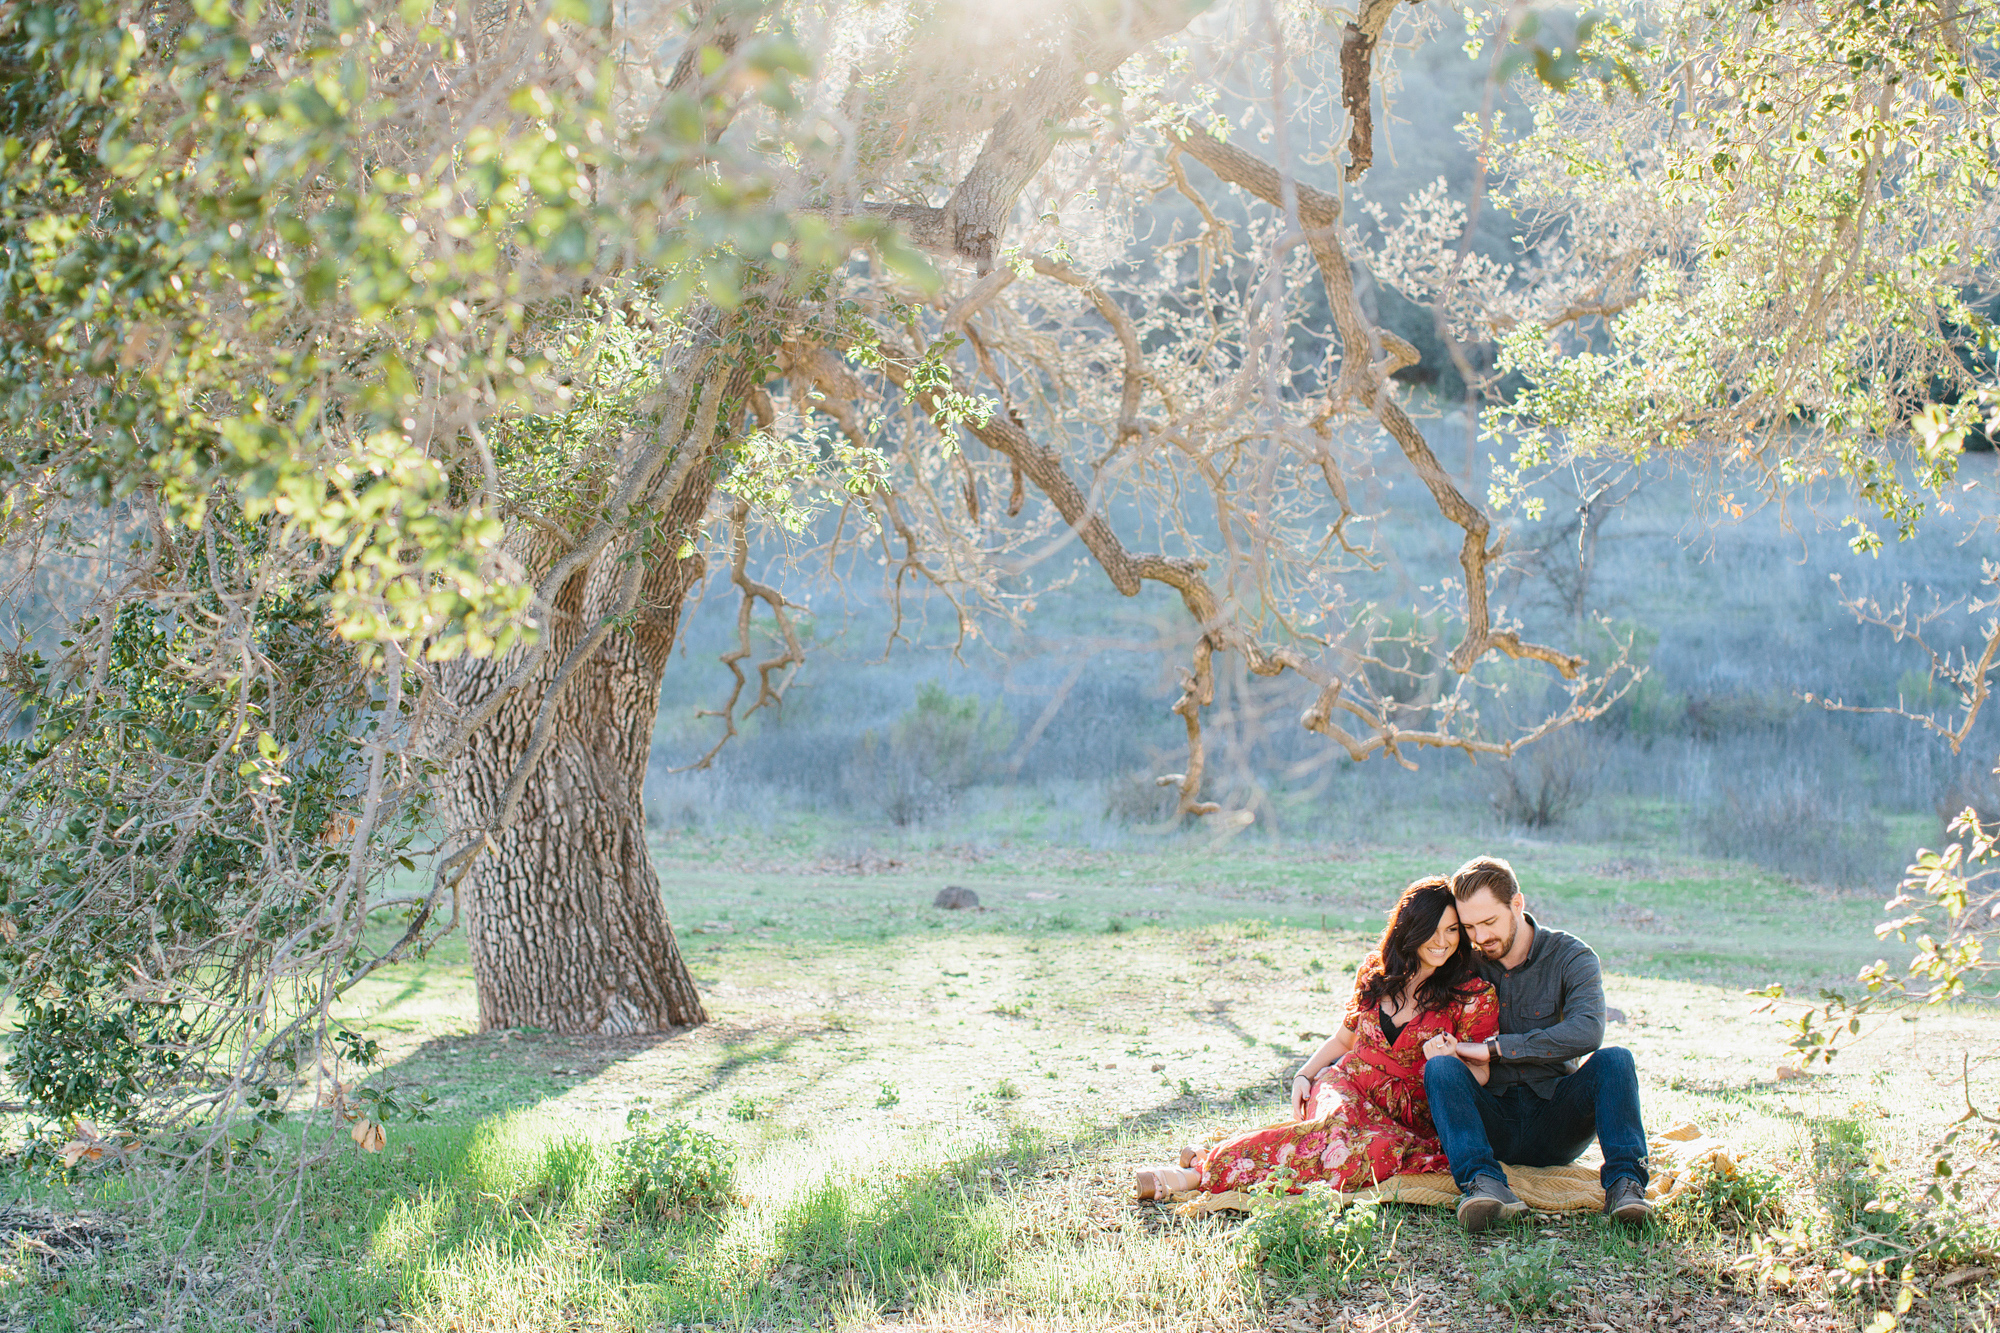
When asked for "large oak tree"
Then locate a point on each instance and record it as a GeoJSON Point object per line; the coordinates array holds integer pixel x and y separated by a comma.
{"type": "Point", "coordinates": [392, 377]}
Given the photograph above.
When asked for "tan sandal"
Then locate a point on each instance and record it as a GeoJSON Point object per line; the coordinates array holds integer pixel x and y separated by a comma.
{"type": "Point", "coordinates": [1187, 1157]}
{"type": "Point", "coordinates": [1149, 1186]}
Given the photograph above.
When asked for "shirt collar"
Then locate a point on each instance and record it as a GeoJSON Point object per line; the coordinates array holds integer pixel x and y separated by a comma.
{"type": "Point", "coordinates": [1537, 943]}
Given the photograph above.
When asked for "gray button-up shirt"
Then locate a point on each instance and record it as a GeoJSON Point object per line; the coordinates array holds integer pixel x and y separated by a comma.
{"type": "Point", "coordinates": [1551, 1011]}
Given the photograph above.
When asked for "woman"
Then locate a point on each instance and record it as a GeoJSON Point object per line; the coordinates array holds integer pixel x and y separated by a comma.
{"type": "Point", "coordinates": [1364, 1119]}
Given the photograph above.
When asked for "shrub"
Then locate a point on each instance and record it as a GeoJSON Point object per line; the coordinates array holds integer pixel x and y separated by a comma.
{"type": "Point", "coordinates": [1406, 666]}
{"type": "Point", "coordinates": [1137, 798]}
{"type": "Point", "coordinates": [1524, 1278]}
{"type": "Point", "coordinates": [1547, 783]}
{"type": "Point", "coordinates": [1788, 822]}
{"type": "Point", "coordinates": [940, 746]}
{"type": "Point", "coordinates": [1743, 1196]}
{"type": "Point", "coordinates": [673, 1168]}
{"type": "Point", "coordinates": [1310, 1235]}
{"type": "Point", "coordinates": [1841, 1175]}
{"type": "Point", "coordinates": [1881, 1224]}
{"type": "Point", "coordinates": [1971, 786]}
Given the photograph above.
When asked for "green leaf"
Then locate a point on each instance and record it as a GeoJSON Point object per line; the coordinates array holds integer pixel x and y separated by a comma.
{"type": "Point", "coordinates": [909, 263]}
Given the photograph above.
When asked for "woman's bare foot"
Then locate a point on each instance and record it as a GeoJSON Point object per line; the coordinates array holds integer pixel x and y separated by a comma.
{"type": "Point", "coordinates": [1161, 1181]}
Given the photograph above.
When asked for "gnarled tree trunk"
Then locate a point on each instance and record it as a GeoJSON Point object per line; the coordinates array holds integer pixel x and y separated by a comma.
{"type": "Point", "coordinates": [567, 927]}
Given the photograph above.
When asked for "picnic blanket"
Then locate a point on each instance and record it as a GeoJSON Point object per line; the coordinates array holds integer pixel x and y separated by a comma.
{"type": "Point", "coordinates": [1672, 1162]}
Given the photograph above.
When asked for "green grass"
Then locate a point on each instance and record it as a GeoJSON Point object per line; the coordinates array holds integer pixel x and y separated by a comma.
{"type": "Point", "coordinates": [1666, 916]}
{"type": "Point", "coordinates": [945, 1108]}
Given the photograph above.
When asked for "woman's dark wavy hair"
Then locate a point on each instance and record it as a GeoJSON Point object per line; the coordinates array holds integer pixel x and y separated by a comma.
{"type": "Point", "coordinates": [1413, 922]}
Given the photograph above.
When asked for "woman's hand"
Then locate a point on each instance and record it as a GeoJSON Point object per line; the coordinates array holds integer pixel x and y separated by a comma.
{"type": "Point", "coordinates": [1442, 1043]}
{"type": "Point", "coordinates": [1330, 1053]}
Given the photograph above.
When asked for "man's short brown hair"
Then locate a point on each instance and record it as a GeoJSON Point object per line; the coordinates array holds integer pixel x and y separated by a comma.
{"type": "Point", "coordinates": [1489, 873]}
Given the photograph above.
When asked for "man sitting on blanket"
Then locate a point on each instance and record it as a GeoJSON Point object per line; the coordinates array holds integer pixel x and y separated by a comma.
{"type": "Point", "coordinates": [1551, 1087]}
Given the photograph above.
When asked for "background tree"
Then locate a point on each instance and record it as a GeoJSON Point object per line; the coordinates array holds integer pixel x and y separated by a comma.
{"type": "Point", "coordinates": [1767, 256]}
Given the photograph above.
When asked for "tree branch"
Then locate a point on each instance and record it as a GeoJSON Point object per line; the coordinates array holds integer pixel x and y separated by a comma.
{"type": "Point", "coordinates": [1357, 57]}
{"type": "Point", "coordinates": [793, 656]}
{"type": "Point", "coordinates": [972, 222]}
{"type": "Point", "coordinates": [1128, 338]}
{"type": "Point", "coordinates": [1362, 378]}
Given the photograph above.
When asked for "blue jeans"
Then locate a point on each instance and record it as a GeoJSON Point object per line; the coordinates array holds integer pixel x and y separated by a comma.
{"type": "Point", "coordinates": [1481, 1129]}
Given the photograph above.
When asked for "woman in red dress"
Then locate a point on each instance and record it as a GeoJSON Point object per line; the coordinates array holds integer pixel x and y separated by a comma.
{"type": "Point", "coordinates": [1359, 1115]}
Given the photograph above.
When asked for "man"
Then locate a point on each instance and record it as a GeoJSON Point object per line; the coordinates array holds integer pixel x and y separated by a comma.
{"type": "Point", "coordinates": [1550, 1087]}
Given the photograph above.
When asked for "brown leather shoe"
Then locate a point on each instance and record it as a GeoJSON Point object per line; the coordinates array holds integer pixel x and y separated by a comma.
{"type": "Point", "coordinates": [1625, 1199]}
{"type": "Point", "coordinates": [1488, 1201]}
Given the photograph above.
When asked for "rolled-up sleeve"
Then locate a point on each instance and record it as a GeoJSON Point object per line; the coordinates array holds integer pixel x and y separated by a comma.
{"type": "Point", "coordinates": [1580, 1028]}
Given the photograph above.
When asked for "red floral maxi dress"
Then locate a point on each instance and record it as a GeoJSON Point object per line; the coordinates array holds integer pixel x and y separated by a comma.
{"type": "Point", "coordinates": [1367, 1118]}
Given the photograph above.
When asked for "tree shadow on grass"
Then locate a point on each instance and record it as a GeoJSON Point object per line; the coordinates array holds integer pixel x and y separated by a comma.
{"type": "Point", "coordinates": [742, 1051]}
{"type": "Point", "coordinates": [968, 1227]}
{"type": "Point", "coordinates": [503, 1200]}
{"type": "Point", "coordinates": [459, 1198]}
{"type": "Point", "coordinates": [844, 1248]}
{"type": "Point", "coordinates": [493, 1072]}
{"type": "Point", "coordinates": [450, 1210]}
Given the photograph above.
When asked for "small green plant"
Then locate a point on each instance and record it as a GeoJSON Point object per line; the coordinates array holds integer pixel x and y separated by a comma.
{"type": "Point", "coordinates": [672, 1169]}
{"type": "Point", "coordinates": [1312, 1235]}
{"type": "Point", "coordinates": [1885, 1227]}
{"type": "Point", "coordinates": [1114, 926]}
{"type": "Point", "coordinates": [1315, 965]}
{"type": "Point", "coordinates": [1739, 1196]}
{"type": "Point", "coordinates": [1186, 1088]}
{"type": "Point", "coordinates": [1522, 1277]}
{"type": "Point", "coordinates": [744, 1107]}
{"type": "Point", "coordinates": [1006, 1090]}
{"type": "Point", "coordinates": [888, 1096]}
{"type": "Point", "coordinates": [1954, 1236]}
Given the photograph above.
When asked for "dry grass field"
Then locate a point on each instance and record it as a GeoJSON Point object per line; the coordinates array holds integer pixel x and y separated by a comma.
{"type": "Point", "coordinates": [935, 1115]}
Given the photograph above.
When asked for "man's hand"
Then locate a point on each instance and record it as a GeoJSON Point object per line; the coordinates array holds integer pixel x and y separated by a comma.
{"type": "Point", "coordinates": [1472, 1050]}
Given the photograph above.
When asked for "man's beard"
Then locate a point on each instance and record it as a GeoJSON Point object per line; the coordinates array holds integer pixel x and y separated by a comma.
{"type": "Point", "coordinates": [1506, 945]}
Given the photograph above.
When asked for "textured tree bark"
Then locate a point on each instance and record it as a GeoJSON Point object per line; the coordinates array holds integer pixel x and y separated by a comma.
{"type": "Point", "coordinates": [564, 916]}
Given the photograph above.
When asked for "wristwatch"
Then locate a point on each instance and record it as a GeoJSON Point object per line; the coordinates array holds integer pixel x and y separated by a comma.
{"type": "Point", "coordinates": [1492, 1049]}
